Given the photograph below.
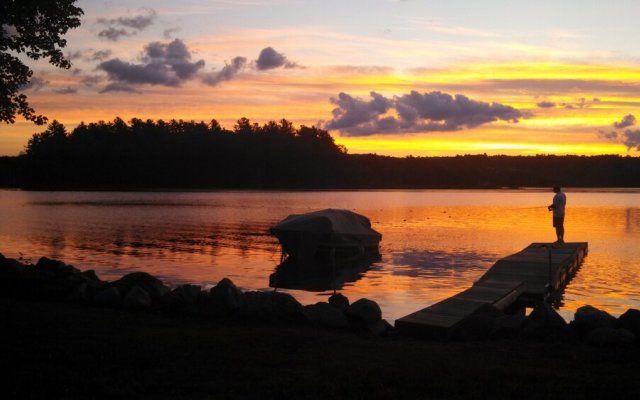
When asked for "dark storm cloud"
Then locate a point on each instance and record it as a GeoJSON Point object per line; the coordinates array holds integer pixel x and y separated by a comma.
{"type": "Point", "coordinates": [269, 58]}
{"type": "Point", "coordinates": [166, 64]}
{"type": "Point", "coordinates": [226, 73]}
{"type": "Point", "coordinates": [627, 121]}
{"type": "Point", "coordinates": [546, 104]}
{"type": "Point", "coordinates": [416, 112]}
{"type": "Point", "coordinates": [115, 27]}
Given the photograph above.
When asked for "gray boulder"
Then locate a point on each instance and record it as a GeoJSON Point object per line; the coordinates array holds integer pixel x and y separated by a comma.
{"type": "Point", "coordinates": [90, 276]}
{"type": "Point", "coordinates": [588, 318]}
{"type": "Point", "coordinates": [152, 285]}
{"type": "Point", "coordinates": [381, 328]}
{"type": "Point", "coordinates": [271, 305]}
{"type": "Point", "coordinates": [224, 299]}
{"type": "Point", "coordinates": [365, 311]}
{"type": "Point", "coordinates": [630, 320]}
{"type": "Point", "coordinates": [180, 298]}
{"type": "Point", "coordinates": [607, 336]}
{"type": "Point", "coordinates": [11, 269]}
{"type": "Point", "coordinates": [80, 293]}
{"type": "Point", "coordinates": [339, 301]}
{"type": "Point", "coordinates": [508, 326]}
{"type": "Point", "coordinates": [109, 296]}
{"type": "Point", "coordinates": [137, 298]}
{"type": "Point", "coordinates": [325, 314]}
{"type": "Point", "coordinates": [58, 268]}
{"type": "Point", "coordinates": [545, 323]}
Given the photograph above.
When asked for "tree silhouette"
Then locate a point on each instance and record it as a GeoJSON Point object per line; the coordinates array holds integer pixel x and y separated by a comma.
{"type": "Point", "coordinates": [33, 28]}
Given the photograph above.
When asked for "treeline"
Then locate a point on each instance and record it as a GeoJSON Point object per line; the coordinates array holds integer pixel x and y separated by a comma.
{"type": "Point", "coordinates": [180, 154]}
{"type": "Point", "coordinates": [187, 154]}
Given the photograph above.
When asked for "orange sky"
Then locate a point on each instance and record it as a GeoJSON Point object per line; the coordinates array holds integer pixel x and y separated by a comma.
{"type": "Point", "coordinates": [568, 78]}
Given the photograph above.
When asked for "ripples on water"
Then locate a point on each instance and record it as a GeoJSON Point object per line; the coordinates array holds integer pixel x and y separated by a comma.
{"type": "Point", "coordinates": [435, 243]}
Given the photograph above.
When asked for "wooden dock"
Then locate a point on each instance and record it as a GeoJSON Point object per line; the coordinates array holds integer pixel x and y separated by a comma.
{"type": "Point", "coordinates": [525, 277]}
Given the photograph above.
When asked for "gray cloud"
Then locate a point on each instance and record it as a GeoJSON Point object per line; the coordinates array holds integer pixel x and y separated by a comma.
{"type": "Point", "coordinates": [113, 34]}
{"type": "Point", "coordinates": [226, 73]}
{"type": "Point", "coordinates": [115, 27]}
{"type": "Point", "coordinates": [119, 87]}
{"type": "Point", "coordinates": [35, 84]}
{"type": "Point", "coordinates": [611, 135]}
{"type": "Point", "coordinates": [631, 139]}
{"type": "Point", "coordinates": [89, 55]}
{"type": "Point", "coordinates": [416, 112]}
{"type": "Point", "coordinates": [99, 55]}
{"type": "Point", "coordinates": [91, 80]}
{"type": "Point", "coordinates": [627, 121]}
{"type": "Point", "coordinates": [165, 64]}
{"type": "Point", "coordinates": [168, 33]}
{"type": "Point", "coordinates": [67, 90]}
{"type": "Point", "coordinates": [546, 104]}
{"type": "Point", "coordinates": [270, 59]}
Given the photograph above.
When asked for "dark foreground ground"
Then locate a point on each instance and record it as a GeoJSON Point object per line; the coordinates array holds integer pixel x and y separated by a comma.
{"type": "Point", "coordinates": [69, 350]}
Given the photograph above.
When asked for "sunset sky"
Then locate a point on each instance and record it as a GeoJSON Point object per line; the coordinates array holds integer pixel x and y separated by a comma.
{"type": "Point", "coordinates": [383, 76]}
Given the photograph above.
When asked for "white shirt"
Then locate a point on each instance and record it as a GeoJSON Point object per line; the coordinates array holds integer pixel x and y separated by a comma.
{"type": "Point", "coordinates": [559, 201]}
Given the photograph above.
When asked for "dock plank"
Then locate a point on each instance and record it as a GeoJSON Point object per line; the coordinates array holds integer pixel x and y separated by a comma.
{"type": "Point", "coordinates": [526, 274]}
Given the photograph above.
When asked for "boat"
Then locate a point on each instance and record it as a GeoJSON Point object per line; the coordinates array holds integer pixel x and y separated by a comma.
{"type": "Point", "coordinates": [327, 236]}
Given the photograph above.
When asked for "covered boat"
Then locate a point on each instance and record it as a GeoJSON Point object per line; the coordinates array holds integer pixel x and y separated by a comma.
{"type": "Point", "coordinates": [327, 235]}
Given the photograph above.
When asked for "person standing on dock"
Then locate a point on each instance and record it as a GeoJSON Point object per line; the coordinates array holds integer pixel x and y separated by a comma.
{"type": "Point", "coordinates": [559, 202]}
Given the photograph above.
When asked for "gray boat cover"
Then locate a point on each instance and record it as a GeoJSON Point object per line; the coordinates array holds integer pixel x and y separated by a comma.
{"type": "Point", "coordinates": [301, 234]}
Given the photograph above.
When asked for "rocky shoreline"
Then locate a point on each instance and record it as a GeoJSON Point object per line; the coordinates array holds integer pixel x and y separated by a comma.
{"type": "Point", "coordinates": [53, 280]}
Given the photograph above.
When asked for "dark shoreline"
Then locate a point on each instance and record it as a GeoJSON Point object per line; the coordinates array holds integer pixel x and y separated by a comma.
{"type": "Point", "coordinates": [56, 350]}
{"type": "Point", "coordinates": [66, 335]}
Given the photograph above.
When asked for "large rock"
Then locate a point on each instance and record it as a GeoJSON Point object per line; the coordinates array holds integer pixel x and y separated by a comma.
{"type": "Point", "coordinates": [137, 298]}
{"type": "Point", "coordinates": [152, 285]}
{"type": "Point", "coordinates": [508, 326]}
{"type": "Point", "coordinates": [381, 328]}
{"type": "Point", "coordinates": [182, 297]}
{"type": "Point", "coordinates": [365, 311]}
{"type": "Point", "coordinates": [109, 296]}
{"type": "Point", "coordinates": [11, 269]}
{"type": "Point", "coordinates": [58, 268]}
{"type": "Point", "coordinates": [340, 301]}
{"type": "Point", "coordinates": [630, 320]}
{"type": "Point", "coordinates": [325, 314]}
{"type": "Point", "coordinates": [224, 299]}
{"type": "Point", "coordinates": [588, 318]}
{"type": "Point", "coordinates": [271, 305]}
{"type": "Point", "coordinates": [607, 336]}
{"type": "Point", "coordinates": [80, 293]}
{"type": "Point", "coordinates": [545, 323]}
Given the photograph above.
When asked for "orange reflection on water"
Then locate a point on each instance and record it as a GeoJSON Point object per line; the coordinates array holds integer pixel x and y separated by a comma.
{"type": "Point", "coordinates": [435, 244]}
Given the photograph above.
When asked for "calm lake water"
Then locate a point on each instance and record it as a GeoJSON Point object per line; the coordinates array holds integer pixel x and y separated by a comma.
{"type": "Point", "coordinates": [435, 242]}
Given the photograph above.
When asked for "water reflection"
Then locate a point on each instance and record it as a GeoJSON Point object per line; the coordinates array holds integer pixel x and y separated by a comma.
{"type": "Point", "coordinates": [318, 277]}
{"type": "Point", "coordinates": [435, 242]}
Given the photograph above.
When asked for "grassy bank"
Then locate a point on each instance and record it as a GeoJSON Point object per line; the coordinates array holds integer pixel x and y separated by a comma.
{"type": "Point", "coordinates": [71, 350]}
